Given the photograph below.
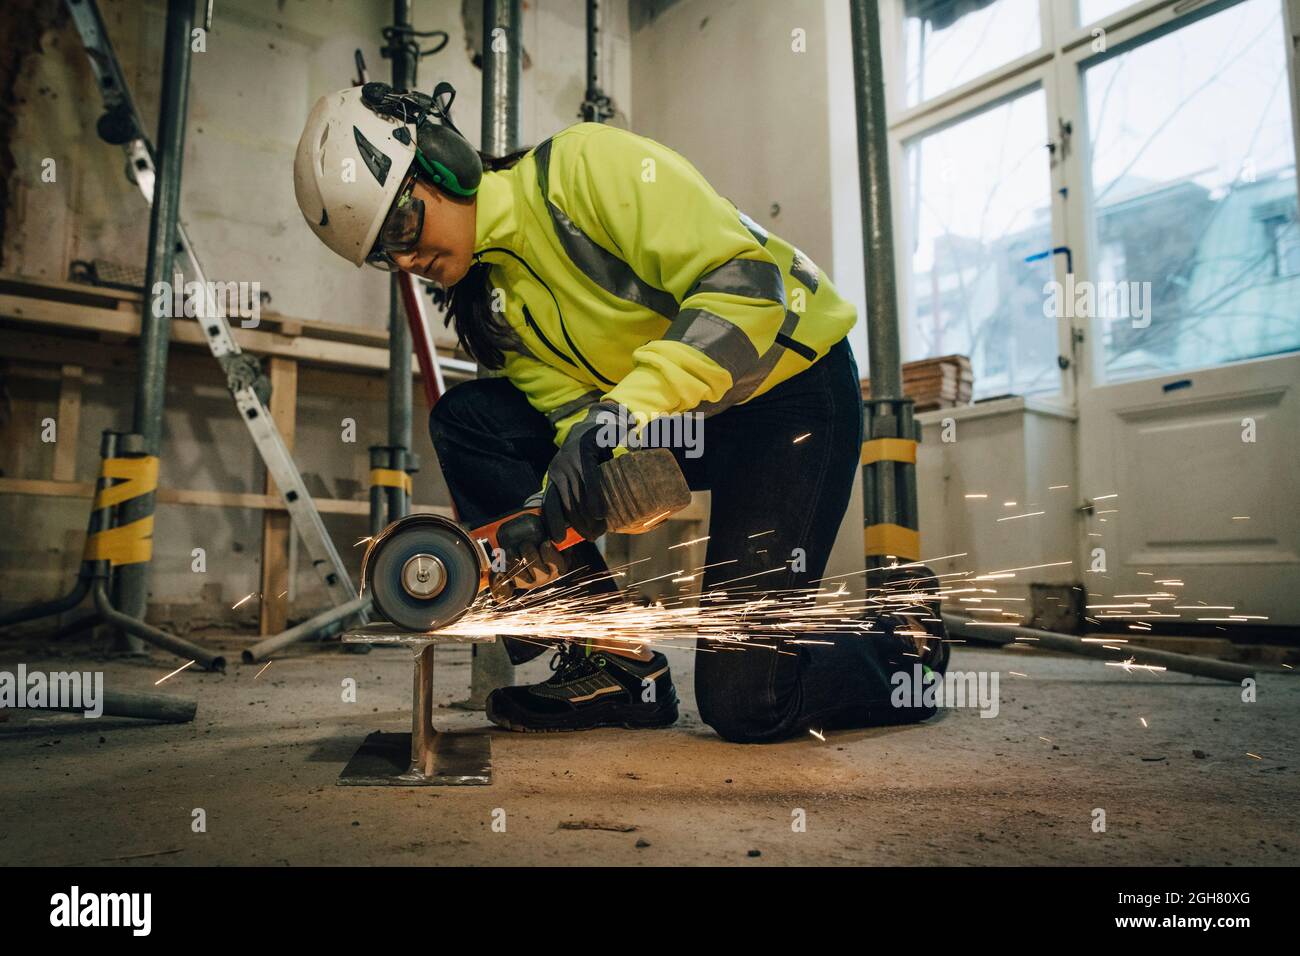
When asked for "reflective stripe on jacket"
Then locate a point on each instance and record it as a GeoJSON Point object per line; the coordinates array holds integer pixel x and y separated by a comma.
{"type": "Point", "coordinates": [625, 278]}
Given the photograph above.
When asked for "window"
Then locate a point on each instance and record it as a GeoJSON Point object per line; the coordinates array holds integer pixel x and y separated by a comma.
{"type": "Point", "coordinates": [1194, 194]}
{"type": "Point", "coordinates": [950, 42]}
{"type": "Point", "coordinates": [1090, 11]}
{"type": "Point", "coordinates": [978, 198]}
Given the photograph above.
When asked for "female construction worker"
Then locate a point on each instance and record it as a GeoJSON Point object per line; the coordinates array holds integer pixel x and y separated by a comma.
{"type": "Point", "coordinates": [600, 272]}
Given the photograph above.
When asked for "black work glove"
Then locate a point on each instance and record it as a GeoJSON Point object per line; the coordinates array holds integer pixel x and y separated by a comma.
{"type": "Point", "coordinates": [572, 498]}
{"type": "Point", "coordinates": [531, 559]}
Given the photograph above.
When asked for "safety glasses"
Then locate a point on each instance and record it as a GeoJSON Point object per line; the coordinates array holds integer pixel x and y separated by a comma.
{"type": "Point", "coordinates": [400, 231]}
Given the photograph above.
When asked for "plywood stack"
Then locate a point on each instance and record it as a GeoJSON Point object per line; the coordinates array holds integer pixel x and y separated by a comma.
{"type": "Point", "coordinates": [944, 382]}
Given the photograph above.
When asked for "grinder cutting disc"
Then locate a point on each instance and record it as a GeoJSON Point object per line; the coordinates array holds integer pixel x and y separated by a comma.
{"type": "Point", "coordinates": [422, 572]}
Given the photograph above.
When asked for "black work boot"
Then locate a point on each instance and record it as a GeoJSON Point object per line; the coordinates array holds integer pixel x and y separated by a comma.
{"type": "Point", "coordinates": [589, 690]}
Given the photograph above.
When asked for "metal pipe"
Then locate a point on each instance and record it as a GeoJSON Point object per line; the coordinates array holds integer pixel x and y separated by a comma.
{"type": "Point", "coordinates": [1069, 644]}
{"type": "Point", "coordinates": [147, 632]}
{"type": "Point", "coordinates": [131, 580]}
{"type": "Point", "coordinates": [378, 459]}
{"type": "Point", "coordinates": [593, 47]}
{"type": "Point", "coordinates": [399, 335]}
{"type": "Point", "coordinates": [883, 353]}
{"type": "Point", "coordinates": [173, 710]}
{"type": "Point", "coordinates": [502, 72]}
{"type": "Point", "coordinates": [324, 624]}
{"type": "Point", "coordinates": [490, 666]}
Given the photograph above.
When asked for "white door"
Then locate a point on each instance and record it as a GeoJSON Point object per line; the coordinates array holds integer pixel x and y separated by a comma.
{"type": "Point", "coordinates": [1182, 213]}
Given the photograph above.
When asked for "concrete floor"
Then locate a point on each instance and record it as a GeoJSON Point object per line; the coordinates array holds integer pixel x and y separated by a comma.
{"type": "Point", "coordinates": [263, 755]}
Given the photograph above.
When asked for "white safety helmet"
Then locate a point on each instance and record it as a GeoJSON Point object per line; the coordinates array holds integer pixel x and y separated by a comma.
{"type": "Point", "coordinates": [350, 164]}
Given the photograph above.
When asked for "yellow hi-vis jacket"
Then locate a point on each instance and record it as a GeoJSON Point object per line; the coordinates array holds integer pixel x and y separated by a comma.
{"type": "Point", "coordinates": [626, 280]}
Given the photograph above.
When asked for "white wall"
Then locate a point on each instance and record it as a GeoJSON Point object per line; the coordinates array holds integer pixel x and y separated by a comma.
{"type": "Point", "coordinates": [264, 66]}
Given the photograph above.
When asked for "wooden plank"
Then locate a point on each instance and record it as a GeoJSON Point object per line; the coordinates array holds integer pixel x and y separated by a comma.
{"type": "Point", "coordinates": [68, 424]}
{"type": "Point", "coordinates": [44, 488]}
{"type": "Point", "coordinates": [276, 527]}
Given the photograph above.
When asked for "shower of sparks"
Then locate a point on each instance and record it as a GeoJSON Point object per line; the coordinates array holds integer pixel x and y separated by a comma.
{"type": "Point", "coordinates": [745, 612]}
{"type": "Point", "coordinates": [244, 599]}
{"type": "Point", "coordinates": [262, 671]}
{"type": "Point", "coordinates": [173, 673]}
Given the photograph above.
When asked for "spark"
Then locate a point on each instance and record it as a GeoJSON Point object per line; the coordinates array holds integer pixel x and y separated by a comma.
{"type": "Point", "coordinates": [173, 673]}
{"type": "Point", "coordinates": [759, 534]}
{"type": "Point", "coordinates": [977, 496]}
{"type": "Point", "coordinates": [365, 540]}
{"type": "Point", "coordinates": [687, 543]}
{"type": "Point", "coordinates": [801, 438]}
{"type": "Point", "coordinates": [1144, 722]}
{"type": "Point", "coordinates": [1017, 674]}
{"type": "Point", "coordinates": [651, 522]}
{"type": "Point", "coordinates": [262, 671]}
{"type": "Point", "coordinates": [1056, 487]}
{"type": "Point", "coordinates": [1241, 517]}
{"type": "Point", "coordinates": [1256, 756]}
{"type": "Point", "coordinates": [817, 734]}
{"type": "Point", "coordinates": [243, 599]}
{"type": "Point", "coordinates": [1008, 504]}
{"type": "Point", "coordinates": [1104, 497]}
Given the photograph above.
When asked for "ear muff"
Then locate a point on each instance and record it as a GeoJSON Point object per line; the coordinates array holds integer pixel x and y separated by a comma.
{"type": "Point", "coordinates": [447, 159]}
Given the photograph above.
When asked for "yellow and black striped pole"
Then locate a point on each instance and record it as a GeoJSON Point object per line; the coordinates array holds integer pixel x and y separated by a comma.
{"type": "Point", "coordinates": [889, 433]}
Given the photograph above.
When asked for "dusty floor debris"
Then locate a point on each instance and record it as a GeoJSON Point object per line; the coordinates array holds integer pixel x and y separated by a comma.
{"type": "Point", "coordinates": [262, 757]}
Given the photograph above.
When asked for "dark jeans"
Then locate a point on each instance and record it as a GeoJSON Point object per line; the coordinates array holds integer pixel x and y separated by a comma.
{"type": "Point", "coordinates": [494, 449]}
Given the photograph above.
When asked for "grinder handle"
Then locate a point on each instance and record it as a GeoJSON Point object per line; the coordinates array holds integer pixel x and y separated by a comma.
{"type": "Point", "coordinates": [639, 488]}
{"type": "Point", "coordinates": [519, 527]}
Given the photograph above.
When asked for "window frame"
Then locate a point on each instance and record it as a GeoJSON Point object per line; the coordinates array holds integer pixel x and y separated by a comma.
{"type": "Point", "coordinates": [1058, 68]}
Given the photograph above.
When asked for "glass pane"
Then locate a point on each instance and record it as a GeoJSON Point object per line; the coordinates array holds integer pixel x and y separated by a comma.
{"type": "Point", "coordinates": [1090, 11]}
{"type": "Point", "coordinates": [950, 42]}
{"type": "Point", "coordinates": [1194, 197]}
{"type": "Point", "coordinates": [979, 204]}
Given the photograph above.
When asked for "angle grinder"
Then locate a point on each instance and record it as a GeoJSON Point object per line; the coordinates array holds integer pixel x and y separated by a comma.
{"type": "Point", "coordinates": [424, 571]}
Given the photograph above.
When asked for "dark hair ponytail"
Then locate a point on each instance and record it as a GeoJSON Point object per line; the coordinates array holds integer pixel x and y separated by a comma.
{"type": "Point", "coordinates": [481, 332]}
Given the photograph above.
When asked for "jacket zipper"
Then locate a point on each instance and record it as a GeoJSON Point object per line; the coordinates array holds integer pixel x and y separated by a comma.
{"type": "Point", "coordinates": [532, 324]}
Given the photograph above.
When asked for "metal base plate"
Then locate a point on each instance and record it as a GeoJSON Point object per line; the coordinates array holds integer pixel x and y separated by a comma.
{"type": "Point", "coordinates": [384, 760]}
